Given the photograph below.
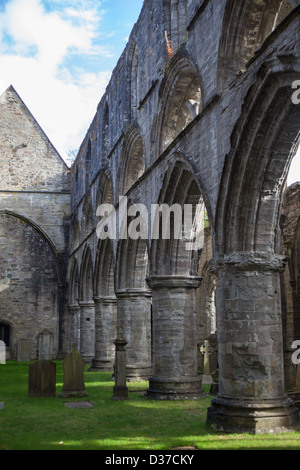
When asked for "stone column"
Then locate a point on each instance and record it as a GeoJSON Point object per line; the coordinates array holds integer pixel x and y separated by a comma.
{"type": "Point", "coordinates": [74, 326]}
{"type": "Point", "coordinates": [251, 394]}
{"type": "Point", "coordinates": [134, 315]}
{"type": "Point", "coordinates": [105, 327]}
{"type": "Point", "coordinates": [87, 330]}
{"type": "Point", "coordinates": [174, 332]}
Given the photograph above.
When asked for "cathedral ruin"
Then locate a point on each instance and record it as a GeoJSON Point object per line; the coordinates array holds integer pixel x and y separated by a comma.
{"type": "Point", "coordinates": [199, 113]}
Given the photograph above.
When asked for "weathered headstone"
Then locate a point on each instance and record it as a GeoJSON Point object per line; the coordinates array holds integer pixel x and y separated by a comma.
{"type": "Point", "coordinates": [120, 390]}
{"type": "Point", "coordinates": [73, 366]}
{"type": "Point", "coordinates": [42, 379]}
{"type": "Point", "coordinates": [205, 350]}
{"type": "Point", "coordinates": [2, 405]}
{"type": "Point", "coordinates": [2, 352]}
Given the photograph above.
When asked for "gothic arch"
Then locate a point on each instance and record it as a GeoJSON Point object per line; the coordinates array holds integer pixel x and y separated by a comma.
{"type": "Point", "coordinates": [86, 291]}
{"type": "Point", "coordinates": [75, 233]}
{"type": "Point", "coordinates": [182, 98]}
{"type": "Point", "coordinates": [246, 25]}
{"type": "Point", "coordinates": [173, 256]}
{"type": "Point", "coordinates": [87, 219]}
{"type": "Point", "coordinates": [30, 271]}
{"type": "Point", "coordinates": [132, 164]}
{"type": "Point", "coordinates": [105, 192]}
{"type": "Point", "coordinates": [74, 283]}
{"type": "Point", "coordinates": [104, 269]}
{"type": "Point", "coordinates": [262, 150]}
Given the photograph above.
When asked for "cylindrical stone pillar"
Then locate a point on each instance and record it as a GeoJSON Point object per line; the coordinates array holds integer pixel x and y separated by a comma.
{"type": "Point", "coordinates": [74, 326]}
{"type": "Point", "coordinates": [251, 394]}
{"type": "Point", "coordinates": [105, 328]}
{"type": "Point", "coordinates": [87, 330]}
{"type": "Point", "coordinates": [134, 315]}
{"type": "Point", "coordinates": [174, 331]}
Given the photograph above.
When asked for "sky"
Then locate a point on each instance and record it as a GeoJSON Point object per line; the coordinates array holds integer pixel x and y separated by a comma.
{"type": "Point", "coordinates": [59, 56]}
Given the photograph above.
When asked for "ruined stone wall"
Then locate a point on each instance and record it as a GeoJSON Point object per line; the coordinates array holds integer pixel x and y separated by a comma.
{"type": "Point", "coordinates": [198, 109]}
{"type": "Point", "coordinates": [34, 232]}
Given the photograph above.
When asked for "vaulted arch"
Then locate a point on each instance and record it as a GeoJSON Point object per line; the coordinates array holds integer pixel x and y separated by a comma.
{"type": "Point", "coordinates": [180, 234]}
{"type": "Point", "coordinates": [87, 220]}
{"type": "Point", "coordinates": [181, 100]}
{"type": "Point", "coordinates": [133, 161]}
{"type": "Point", "coordinates": [30, 273]}
{"type": "Point", "coordinates": [262, 150]}
{"type": "Point", "coordinates": [246, 25]}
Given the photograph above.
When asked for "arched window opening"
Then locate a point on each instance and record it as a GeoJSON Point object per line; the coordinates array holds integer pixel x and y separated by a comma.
{"type": "Point", "coordinates": [183, 105]}
{"type": "Point", "coordinates": [246, 26]}
{"type": "Point", "coordinates": [135, 164]}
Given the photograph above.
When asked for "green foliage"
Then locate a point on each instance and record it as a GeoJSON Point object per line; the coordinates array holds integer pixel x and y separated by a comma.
{"type": "Point", "coordinates": [133, 424]}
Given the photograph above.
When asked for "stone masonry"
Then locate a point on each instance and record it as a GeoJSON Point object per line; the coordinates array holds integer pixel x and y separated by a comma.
{"type": "Point", "coordinates": [198, 113]}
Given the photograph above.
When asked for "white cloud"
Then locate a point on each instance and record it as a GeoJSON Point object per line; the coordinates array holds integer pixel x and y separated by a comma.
{"type": "Point", "coordinates": [33, 62]}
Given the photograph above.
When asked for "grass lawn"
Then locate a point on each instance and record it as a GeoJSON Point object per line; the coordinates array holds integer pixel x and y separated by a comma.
{"type": "Point", "coordinates": [134, 424]}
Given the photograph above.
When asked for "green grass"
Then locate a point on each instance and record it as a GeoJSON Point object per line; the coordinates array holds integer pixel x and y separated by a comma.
{"type": "Point", "coordinates": [134, 424]}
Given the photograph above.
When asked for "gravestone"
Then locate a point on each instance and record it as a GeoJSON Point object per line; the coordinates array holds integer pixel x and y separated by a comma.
{"type": "Point", "coordinates": [120, 390]}
{"type": "Point", "coordinates": [206, 377]}
{"type": "Point", "coordinates": [2, 405]}
{"type": "Point", "coordinates": [73, 366]}
{"type": "Point", "coordinates": [2, 352]}
{"type": "Point", "coordinates": [42, 379]}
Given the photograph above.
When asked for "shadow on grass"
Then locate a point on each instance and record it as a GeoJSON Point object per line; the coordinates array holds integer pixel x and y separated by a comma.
{"type": "Point", "coordinates": [134, 424]}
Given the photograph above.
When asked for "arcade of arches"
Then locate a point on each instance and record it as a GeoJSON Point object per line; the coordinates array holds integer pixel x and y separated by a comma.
{"type": "Point", "coordinates": [211, 126]}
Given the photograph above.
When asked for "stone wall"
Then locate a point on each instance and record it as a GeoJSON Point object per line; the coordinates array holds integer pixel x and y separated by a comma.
{"type": "Point", "coordinates": [198, 111]}
{"type": "Point", "coordinates": [34, 233]}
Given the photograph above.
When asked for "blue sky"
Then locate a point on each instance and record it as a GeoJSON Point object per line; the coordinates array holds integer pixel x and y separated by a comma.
{"type": "Point", "coordinates": [59, 56]}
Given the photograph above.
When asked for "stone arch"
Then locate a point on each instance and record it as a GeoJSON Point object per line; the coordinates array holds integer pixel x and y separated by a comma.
{"type": "Point", "coordinates": [105, 192]}
{"type": "Point", "coordinates": [182, 98]}
{"type": "Point", "coordinates": [86, 289]}
{"type": "Point", "coordinates": [252, 184]}
{"type": "Point", "coordinates": [246, 25]}
{"type": "Point", "coordinates": [75, 233]}
{"type": "Point", "coordinates": [74, 282]}
{"type": "Point", "coordinates": [171, 255]}
{"type": "Point", "coordinates": [248, 261]}
{"type": "Point", "coordinates": [87, 306]}
{"type": "Point", "coordinates": [30, 271]}
{"type": "Point", "coordinates": [87, 220]}
{"type": "Point", "coordinates": [133, 161]}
